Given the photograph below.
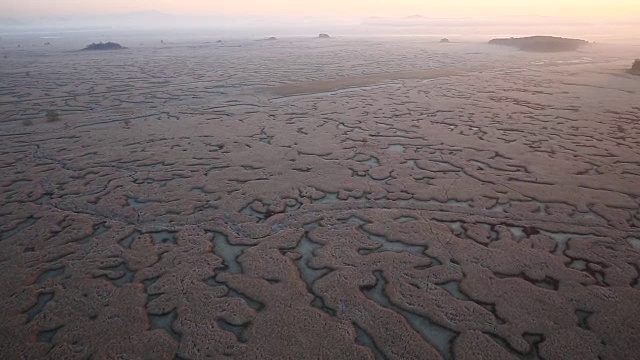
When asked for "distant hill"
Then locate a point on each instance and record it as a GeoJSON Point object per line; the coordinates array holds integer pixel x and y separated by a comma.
{"type": "Point", "coordinates": [142, 19]}
{"type": "Point", "coordinates": [541, 43]}
{"type": "Point", "coordinates": [9, 22]}
{"type": "Point", "coordinates": [104, 46]}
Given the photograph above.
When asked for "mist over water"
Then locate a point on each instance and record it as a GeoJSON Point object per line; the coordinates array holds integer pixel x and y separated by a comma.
{"type": "Point", "coordinates": [247, 26]}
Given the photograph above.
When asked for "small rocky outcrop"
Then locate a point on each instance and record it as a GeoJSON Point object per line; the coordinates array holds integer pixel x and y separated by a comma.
{"type": "Point", "coordinates": [444, 41]}
{"type": "Point", "coordinates": [635, 68]}
{"type": "Point", "coordinates": [541, 43]}
{"type": "Point", "coordinates": [104, 46]}
{"type": "Point", "coordinates": [324, 36]}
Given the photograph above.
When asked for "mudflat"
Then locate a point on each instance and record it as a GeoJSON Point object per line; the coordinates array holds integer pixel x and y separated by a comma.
{"type": "Point", "coordinates": [382, 198]}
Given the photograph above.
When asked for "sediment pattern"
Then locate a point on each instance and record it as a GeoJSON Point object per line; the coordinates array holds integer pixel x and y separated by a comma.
{"type": "Point", "coordinates": [222, 209]}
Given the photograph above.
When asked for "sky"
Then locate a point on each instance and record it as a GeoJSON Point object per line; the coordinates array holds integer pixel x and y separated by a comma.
{"type": "Point", "coordinates": [609, 9]}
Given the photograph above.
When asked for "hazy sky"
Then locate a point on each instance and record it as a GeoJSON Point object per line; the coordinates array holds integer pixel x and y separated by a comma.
{"type": "Point", "coordinates": [341, 8]}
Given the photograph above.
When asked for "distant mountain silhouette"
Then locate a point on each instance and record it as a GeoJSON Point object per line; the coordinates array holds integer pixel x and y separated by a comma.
{"type": "Point", "coordinates": [9, 22]}
{"type": "Point", "coordinates": [474, 22]}
{"type": "Point", "coordinates": [147, 19]}
{"type": "Point", "coordinates": [541, 43]}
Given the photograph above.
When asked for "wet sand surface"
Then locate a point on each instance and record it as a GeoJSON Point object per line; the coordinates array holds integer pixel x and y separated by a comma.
{"type": "Point", "coordinates": [299, 199]}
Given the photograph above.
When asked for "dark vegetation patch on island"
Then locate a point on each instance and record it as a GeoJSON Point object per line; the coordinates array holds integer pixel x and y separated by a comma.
{"type": "Point", "coordinates": [104, 46]}
{"type": "Point", "coordinates": [541, 43]}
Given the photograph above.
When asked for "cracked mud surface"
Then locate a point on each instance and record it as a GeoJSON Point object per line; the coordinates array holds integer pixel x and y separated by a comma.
{"type": "Point", "coordinates": [296, 200]}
